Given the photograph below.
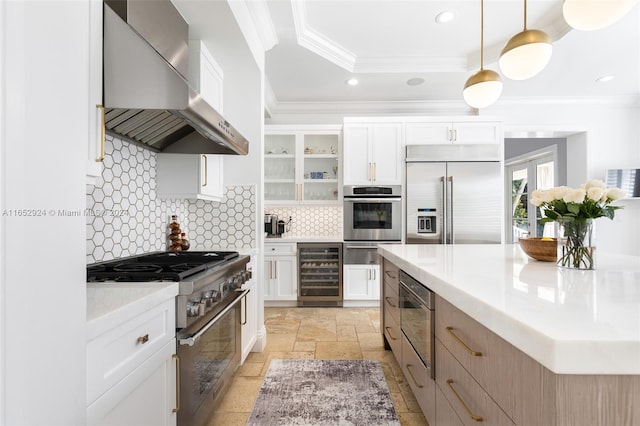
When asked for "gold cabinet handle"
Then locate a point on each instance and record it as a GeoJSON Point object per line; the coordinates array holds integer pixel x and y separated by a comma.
{"type": "Point", "coordinates": [143, 339]}
{"type": "Point", "coordinates": [466, 347]}
{"type": "Point", "coordinates": [178, 384]}
{"type": "Point", "coordinates": [103, 135]}
{"type": "Point", "coordinates": [387, 298]}
{"type": "Point", "coordinates": [412, 377]}
{"type": "Point", "coordinates": [390, 335]}
{"type": "Point", "coordinates": [206, 170]}
{"type": "Point", "coordinates": [466, 408]}
{"type": "Point", "coordinates": [390, 275]}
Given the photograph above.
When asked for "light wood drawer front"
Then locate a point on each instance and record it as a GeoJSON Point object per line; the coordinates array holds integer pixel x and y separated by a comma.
{"type": "Point", "coordinates": [280, 248]}
{"type": "Point", "coordinates": [391, 274]}
{"type": "Point", "coordinates": [391, 303]}
{"type": "Point", "coordinates": [393, 333]}
{"type": "Point", "coordinates": [114, 354]}
{"type": "Point", "coordinates": [417, 375]}
{"type": "Point", "coordinates": [468, 399]}
{"type": "Point", "coordinates": [495, 364]}
{"type": "Point", "coordinates": [445, 414]}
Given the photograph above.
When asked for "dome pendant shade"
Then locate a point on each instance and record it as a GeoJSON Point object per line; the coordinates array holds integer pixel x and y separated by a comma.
{"type": "Point", "coordinates": [526, 54]}
{"type": "Point", "coordinates": [482, 89]}
{"type": "Point", "coordinates": [588, 15]}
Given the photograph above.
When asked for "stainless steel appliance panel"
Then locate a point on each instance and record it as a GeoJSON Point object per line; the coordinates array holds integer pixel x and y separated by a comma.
{"type": "Point", "coordinates": [417, 314]}
{"type": "Point", "coordinates": [425, 200]}
{"type": "Point", "coordinates": [208, 357]}
{"type": "Point", "coordinates": [373, 219]}
{"type": "Point", "coordinates": [361, 254]}
{"type": "Point", "coordinates": [462, 199]}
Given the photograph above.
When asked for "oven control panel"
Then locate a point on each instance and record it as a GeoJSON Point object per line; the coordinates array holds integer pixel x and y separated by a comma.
{"type": "Point", "coordinates": [203, 301]}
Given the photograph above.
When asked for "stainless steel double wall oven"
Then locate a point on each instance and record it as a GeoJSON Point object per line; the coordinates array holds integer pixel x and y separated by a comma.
{"type": "Point", "coordinates": [372, 215]}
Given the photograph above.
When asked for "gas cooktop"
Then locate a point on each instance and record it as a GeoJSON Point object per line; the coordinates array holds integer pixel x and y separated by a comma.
{"type": "Point", "coordinates": [158, 266]}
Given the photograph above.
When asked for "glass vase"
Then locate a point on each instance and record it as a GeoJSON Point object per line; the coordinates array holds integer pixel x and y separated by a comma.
{"type": "Point", "coordinates": [576, 245]}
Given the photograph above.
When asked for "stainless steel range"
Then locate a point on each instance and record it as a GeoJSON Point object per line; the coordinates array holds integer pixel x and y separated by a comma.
{"type": "Point", "coordinates": [209, 316]}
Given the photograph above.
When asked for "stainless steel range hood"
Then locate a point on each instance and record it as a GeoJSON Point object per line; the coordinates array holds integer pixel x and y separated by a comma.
{"type": "Point", "coordinates": [147, 96]}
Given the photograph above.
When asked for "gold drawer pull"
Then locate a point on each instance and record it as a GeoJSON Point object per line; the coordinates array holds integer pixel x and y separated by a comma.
{"type": "Point", "coordinates": [473, 416]}
{"type": "Point", "coordinates": [390, 275]}
{"type": "Point", "coordinates": [387, 298]}
{"type": "Point", "coordinates": [143, 339]}
{"type": "Point", "coordinates": [412, 376]}
{"type": "Point", "coordinates": [468, 349]}
{"type": "Point", "coordinates": [390, 335]}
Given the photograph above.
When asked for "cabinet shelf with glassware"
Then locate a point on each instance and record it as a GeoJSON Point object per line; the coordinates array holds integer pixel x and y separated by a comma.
{"type": "Point", "coordinates": [302, 165]}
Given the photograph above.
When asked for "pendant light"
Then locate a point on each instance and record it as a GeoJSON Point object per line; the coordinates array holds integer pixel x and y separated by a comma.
{"type": "Point", "coordinates": [588, 15]}
{"type": "Point", "coordinates": [484, 87]}
{"type": "Point", "coordinates": [526, 54]}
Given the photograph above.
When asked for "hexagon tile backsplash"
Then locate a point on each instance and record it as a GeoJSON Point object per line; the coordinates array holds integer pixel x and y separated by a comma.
{"type": "Point", "coordinates": [128, 219]}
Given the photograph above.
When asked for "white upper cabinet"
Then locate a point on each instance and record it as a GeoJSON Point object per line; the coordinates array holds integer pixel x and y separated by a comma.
{"type": "Point", "coordinates": [302, 165]}
{"type": "Point", "coordinates": [193, 177]}
{"type": "Point", "coordinates": [471, 130]}
{"type": "Point", "coordinates": [373, 153]}
{"type": "Point", "coordinates": [96, 137]}
{"type": "Point", "coordinates": [205, 75]}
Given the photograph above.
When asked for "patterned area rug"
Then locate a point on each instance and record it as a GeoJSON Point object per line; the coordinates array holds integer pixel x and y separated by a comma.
{"type": "Point", "coordinates": [323, 392]}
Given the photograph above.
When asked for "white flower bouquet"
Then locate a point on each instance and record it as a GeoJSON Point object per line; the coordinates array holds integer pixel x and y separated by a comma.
{"type": "Point", "coordinates": [574, 210]}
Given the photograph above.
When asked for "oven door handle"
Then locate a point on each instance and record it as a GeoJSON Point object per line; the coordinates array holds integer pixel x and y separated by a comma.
{"type": "Point", "coordinates": [191, 340]}
{"type": "Point", "coordinates": [392, 199]}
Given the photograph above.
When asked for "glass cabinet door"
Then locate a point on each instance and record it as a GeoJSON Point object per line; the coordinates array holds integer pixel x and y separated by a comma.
{"type": "Point", "coordinates": [321, 171]}
{"type": "Point", "coordinates": [280, 167]}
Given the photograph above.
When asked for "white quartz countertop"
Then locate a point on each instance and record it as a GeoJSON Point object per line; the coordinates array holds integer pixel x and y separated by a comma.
{"type": "Point", "coordinates": [570, 321]}
{"type": "Point", "coordinates": [112, 303]}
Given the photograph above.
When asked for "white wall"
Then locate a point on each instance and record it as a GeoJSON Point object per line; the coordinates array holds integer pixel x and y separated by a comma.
{"type": "Point", "coordinates": [44, 108]}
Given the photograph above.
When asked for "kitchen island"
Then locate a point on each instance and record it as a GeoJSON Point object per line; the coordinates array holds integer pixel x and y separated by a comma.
{"type": "Point", "coordinates": [545, 345]}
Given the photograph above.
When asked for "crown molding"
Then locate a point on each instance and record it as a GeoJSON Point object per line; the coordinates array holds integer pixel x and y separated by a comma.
{"type": "Point", "coordinates": [316, 42]}
{"type": "Point", "coordinates": [445, 107]}
{"type": "Point", "coordinates": [261, 17]}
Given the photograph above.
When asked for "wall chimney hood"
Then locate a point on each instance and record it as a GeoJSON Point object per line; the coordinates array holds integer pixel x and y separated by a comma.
{"type": "Point", "coordinates": [147, 97]}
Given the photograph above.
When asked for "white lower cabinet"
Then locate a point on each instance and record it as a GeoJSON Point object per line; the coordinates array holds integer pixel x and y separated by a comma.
{"type": "Point", "coordinates": [131, 366]}
{"type": "Point", "coordinates": [147, 396]}
{"type": "Point", "coordinates": [281, 272]}
{"type": "Point", "coordinates": [361, 282]}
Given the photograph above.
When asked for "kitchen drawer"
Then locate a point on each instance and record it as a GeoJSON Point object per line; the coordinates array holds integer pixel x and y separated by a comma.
{"type": "Point", "coordinates": [391, 275]}
{"type": "Point", "coordinates": [391, 302]}
{"type": "Point", "coordinates": [393, 333]}
{"type": "Point", "coordinates": [505, 372]}
{"type": "Point", "coordinates": [417, 375]}
{"type": "Point", "coordinates": [271, 249]}
{"type": "Point", "coordinates": [445, 414]}
{"type": "Point", "coordinates": [469, 400]}
{"type": "Point", "coordinates": [114, 354]}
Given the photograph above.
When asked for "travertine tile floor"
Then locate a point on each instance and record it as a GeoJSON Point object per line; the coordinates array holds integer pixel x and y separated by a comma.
{"type": "Point", "coordinates": [317, 333]}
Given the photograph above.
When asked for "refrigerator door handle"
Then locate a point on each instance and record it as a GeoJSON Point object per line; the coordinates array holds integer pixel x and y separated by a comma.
{"type": "Point", "coordinates": [450, 211]}
{"type": "Point", "coordinates": [443, 225]}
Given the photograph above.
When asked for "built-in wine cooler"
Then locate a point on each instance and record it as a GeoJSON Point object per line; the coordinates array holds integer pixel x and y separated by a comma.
{"type": "Point", "coordinates": [320, 274]}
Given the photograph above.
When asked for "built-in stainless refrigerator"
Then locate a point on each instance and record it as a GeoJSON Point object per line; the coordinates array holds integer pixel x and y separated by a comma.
{"type": "Point", "coordinates": [454, 202]}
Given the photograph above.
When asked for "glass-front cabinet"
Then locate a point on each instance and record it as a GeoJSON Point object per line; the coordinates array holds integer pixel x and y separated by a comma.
{"type": "Point", "coordinates": [302, 165]}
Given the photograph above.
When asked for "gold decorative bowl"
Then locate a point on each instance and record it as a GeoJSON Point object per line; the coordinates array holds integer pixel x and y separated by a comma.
{"type": "Point", "coordinates": [540, 249]}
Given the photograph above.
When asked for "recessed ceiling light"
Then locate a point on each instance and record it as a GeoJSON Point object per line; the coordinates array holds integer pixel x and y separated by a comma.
{"type": "Point", "coordinates": [445, 17]}
{"type": "Point", "coordinates": [352, 81]}
{"type": "Point", "coordinates": [604, 78]}
{"type": "Point", "coordinates": [416, 81]}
